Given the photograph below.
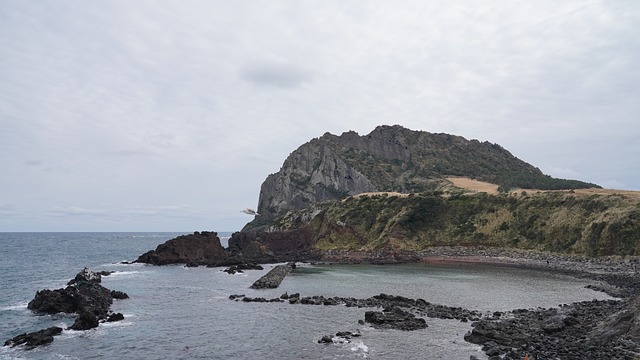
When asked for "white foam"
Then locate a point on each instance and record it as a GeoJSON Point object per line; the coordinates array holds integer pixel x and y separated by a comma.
{"type": "Point", "coordinates": [66, 357]}
{"type": "Point", "coordinates": [120, 323]}
{"type": "Point", "coordinates": [121, 264]}
{"type": "Point", "coordinates": [359, 346]}
{"type": "Point", "coordinates": [19, 307]}
{"type": "Point", "coordinates": [122, 274]}
{"type": "Point", "coordinates": [10, 353]}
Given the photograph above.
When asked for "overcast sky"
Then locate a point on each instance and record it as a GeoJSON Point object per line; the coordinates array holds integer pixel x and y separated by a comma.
{"type": "Point", "coordinates": [168, 115]}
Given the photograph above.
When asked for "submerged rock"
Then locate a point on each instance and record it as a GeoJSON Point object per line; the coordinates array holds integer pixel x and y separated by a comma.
{"type": "Point", "coordinates": [340, 337]}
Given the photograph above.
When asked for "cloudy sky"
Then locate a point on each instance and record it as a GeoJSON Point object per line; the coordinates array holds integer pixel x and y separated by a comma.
{"type": "Point", "coordinates": [167, 115]}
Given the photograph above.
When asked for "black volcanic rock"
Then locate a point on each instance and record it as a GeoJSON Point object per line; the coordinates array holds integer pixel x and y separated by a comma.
{"type": "Point", "coordinates": [84, 296]}
{"type": "Point", "coordinates": [36, 338]}
{"type": "Point", "coordinates": [86, 320]}
{"type": "Point", "coordinates": [81, 296]}
{"type": "Point", "coordinates": [394, 318]}
{"type": "Point", "coordinates": [270, 247]}
{"type": "Point", "coordinates": [199, 248]}
{"type": "Point", "coordinates": [115, 317]}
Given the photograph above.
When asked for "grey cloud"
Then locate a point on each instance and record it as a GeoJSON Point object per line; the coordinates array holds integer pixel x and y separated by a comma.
{"type": "Point", "coordinates": [33, 162]}
{"type": "Point", "coordinates": [276, 74]}
{"type": "Point", "coordinates": [130, 153]}
{"type": "Point", "coordinates": [7, 208]}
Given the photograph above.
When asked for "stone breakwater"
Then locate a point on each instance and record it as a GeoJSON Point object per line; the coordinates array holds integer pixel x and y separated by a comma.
{"type": "Point", "coordinates": [389, 304]}
{"type": "Point", "coordinates": [274, 277]}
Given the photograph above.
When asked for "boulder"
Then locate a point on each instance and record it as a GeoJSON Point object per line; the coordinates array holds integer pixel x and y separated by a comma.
{"type": "Point", "coordinates": [115, 317]}
{"type": "Point", "coordinates": [86, 320]}
{"type": "Point", "coordinates": [119, 295]}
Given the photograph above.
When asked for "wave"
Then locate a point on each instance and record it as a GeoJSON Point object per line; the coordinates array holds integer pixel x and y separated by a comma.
{"type": "Point", "coordinates": [121, 323]}
{"type": "Point", "coordinates": [119, 274]}
{"type": "Point", "coordinates": [123, 263]}
{"type": "Point", "coordinates": [11, 353]}
{"type": "Point", "coordinates": [19, 307]}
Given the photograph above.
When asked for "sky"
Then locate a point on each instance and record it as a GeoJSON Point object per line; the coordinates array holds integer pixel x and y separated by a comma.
{"type": "Point", "coordinates": [167, 115]}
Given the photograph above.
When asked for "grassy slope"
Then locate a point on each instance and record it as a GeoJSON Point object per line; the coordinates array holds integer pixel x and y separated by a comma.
{"type": "Point", "coordinates": [561, 222]}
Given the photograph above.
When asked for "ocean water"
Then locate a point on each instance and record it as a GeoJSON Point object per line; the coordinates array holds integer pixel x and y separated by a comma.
{"type": "Point", "coordinates": [184, 313]}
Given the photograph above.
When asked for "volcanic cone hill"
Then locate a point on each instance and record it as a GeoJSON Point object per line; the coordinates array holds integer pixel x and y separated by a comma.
{"type": "Point", "coordinates": [390, 159]}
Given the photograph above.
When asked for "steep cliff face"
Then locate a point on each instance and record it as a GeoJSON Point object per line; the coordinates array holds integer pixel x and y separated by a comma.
{"type": "Point", "coordinates": [390, 158]}
{"type": "Point", "coordinates": [311, 174]}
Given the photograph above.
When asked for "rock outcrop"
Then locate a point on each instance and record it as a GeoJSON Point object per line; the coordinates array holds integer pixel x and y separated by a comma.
{"type": "Point", "coordinates": [199, 248]}
{"type": "Point", "coordinates": [313, 173]}
{"type": "Point", "coordinates": [271, 247]}
{"type": "Point", "coordinates": [83, 296]}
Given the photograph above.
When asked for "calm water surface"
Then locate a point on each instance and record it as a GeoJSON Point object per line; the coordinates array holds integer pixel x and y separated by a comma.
{"type": "Point", "coordinates": [184, 313]}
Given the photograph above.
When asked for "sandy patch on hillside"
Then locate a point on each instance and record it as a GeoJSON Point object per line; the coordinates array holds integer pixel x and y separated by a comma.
{"type": "Point", "coordinates": [474, 185]}
{"type": "Point", "coordinates": [481, 186]}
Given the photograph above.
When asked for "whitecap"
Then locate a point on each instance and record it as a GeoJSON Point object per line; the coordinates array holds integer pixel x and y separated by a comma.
{"type": "Point", "coordinates": [122, 263]}
{"type": "Point", "coordinates": [66, 357]}
{"type": "Point", "coordinates": [359, 346]}
{"type": "Point", "coordinates": [118, 274]}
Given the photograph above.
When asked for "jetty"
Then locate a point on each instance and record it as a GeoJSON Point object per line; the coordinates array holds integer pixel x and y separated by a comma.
{"type": "Point", "coordinates": [273, 278]}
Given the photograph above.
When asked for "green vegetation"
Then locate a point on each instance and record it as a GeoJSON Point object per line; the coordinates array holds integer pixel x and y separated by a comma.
{"type": "Point", "coordinates": [559, 222]}
{"type": "Point", "coordinates": [410, 161]}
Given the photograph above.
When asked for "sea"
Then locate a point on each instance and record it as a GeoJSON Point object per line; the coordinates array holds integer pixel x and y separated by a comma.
{"type": "Point", "coordinates": [175, 312]}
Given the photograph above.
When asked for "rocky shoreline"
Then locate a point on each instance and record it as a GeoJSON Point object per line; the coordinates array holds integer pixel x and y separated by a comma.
{"type": "Point", "coordinates": [583, 330]}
